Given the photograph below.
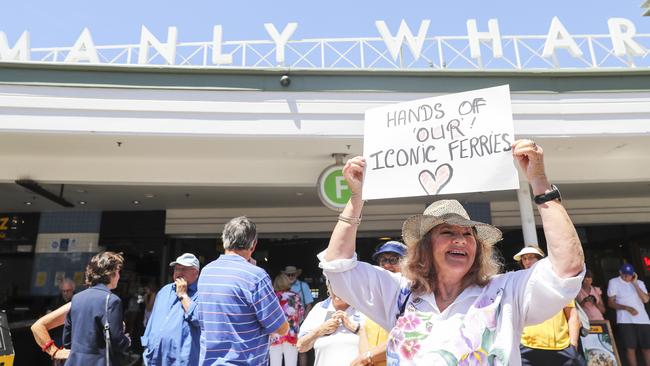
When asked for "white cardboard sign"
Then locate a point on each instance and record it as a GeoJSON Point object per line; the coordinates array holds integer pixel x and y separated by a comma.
{"type": "Point", "coordinates": [454, 143]}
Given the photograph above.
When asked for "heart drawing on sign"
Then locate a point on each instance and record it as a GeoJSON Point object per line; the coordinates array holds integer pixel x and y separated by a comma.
{"type": "Point", "coordinates": [433, 183]}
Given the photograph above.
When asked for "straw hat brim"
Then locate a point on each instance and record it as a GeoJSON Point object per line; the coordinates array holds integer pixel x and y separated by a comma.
{"type": "Point", "coordinates": [417, 226]}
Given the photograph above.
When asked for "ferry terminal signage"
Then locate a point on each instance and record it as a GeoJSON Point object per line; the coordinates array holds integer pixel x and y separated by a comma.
{"type": "Point", "coordinates": [622, 34]}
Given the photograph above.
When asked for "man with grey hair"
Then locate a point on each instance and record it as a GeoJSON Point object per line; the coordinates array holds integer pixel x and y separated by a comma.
{"type": "Point", "coordinates": [66, 290]}
{"type": "Point", "coordinates": [238, 308]}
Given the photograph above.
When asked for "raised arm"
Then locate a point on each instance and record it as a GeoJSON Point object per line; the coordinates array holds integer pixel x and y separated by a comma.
{"type": "Point", "coordinates": [564, 248]}
{"type": "Point", "coordinates": [342, 242]}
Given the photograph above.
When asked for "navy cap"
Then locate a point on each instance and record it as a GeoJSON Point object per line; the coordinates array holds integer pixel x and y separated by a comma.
{"type": "Point", "coordinates": [627, 269]}
{"type": "Point", "coordinates": [390, 247]}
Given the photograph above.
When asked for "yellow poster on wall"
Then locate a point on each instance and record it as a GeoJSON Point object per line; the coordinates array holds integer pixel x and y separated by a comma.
{"type": "Point", "coordinates": [41, 278]}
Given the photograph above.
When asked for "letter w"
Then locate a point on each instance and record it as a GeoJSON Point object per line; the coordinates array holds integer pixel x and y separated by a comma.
{"type": "Point", "coordinates": [394, 44]}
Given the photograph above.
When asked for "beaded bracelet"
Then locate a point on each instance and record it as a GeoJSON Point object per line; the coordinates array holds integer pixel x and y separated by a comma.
{"type": "Point", "coordinates": [47, 345]}
{"type": "Point", "coordinates": [350, 220]}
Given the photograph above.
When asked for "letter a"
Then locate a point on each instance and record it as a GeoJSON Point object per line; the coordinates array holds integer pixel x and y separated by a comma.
{"type": "Point", "coordinates": [559, 37]}
{"type": "Point", "coordinates": [83, 49]}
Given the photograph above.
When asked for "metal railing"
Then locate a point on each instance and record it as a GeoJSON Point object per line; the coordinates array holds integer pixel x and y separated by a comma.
{"type": "Point", "coordinates": [438, 53]}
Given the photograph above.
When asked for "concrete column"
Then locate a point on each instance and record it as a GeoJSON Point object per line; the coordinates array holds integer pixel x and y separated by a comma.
{"type": "Point", "coordinates": [526, 212]}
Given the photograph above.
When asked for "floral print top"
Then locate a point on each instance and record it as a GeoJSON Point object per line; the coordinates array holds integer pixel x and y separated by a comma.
{"type": "Point", "coordinates": [481, 327]}
{"type": "Point", "coordinates": [293, 310]}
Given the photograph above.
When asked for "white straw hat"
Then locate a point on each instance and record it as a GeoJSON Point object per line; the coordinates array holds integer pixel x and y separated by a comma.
{"type": "Point", "coordinates": [530, 249]}
{"type": "Point", "coordinates": [446, 212]}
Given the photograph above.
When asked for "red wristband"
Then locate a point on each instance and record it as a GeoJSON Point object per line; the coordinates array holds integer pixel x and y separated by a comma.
{"type": "Point", "coordinates": [47, 345]}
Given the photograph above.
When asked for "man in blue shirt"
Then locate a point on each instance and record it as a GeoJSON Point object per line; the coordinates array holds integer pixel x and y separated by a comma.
{"type": "Point", "coordinates": [173, 333]}
{"type": "Point", "coordinates": [238, 308]}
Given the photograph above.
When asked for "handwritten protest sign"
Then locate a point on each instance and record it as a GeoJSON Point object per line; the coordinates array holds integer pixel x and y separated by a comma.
{"type": "Point", "coordinates": [449, 144]}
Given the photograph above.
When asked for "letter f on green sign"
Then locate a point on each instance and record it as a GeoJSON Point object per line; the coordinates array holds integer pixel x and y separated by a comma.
{"type": "Point", "coordinates": [341, 185]}
{"type": "Point", "coordinates": [333, 190]}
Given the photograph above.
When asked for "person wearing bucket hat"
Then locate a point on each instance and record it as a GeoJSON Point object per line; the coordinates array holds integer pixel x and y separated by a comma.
{"type": "Point", "coordinates": [389, 255]}
{"type": "Point", "coordinates": [173, 331]}
{"type": "Point", "coordinates": [554, 341]}
{"type": "Point", "coordinates": [529, 255]}
{"type": "Point", "coordinates": [450, 305]}
{"type": "Point", "coordinates": [628, 296]}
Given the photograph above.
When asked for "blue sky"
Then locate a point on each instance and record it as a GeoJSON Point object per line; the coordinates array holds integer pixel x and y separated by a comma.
{"type": "Point", "coordinates": [59, 23]}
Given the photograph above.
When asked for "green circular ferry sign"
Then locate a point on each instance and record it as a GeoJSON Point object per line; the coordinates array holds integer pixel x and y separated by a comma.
{"type": "Point", "coordinates": [333, 190]}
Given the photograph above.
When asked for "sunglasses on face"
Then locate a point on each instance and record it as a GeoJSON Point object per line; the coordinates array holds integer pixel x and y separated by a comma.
{"type": "Point", "coordinates": [389, 260]}
{"type": "Point", "coordinates": [291, 275]}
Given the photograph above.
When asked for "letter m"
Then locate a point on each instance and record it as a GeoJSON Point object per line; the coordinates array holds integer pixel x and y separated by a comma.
{"type": "Point", "coordinates": [20, 51]}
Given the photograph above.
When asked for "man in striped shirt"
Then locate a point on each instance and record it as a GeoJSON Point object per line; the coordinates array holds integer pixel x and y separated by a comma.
{"type": "Point", "coordinates": [237, 306]}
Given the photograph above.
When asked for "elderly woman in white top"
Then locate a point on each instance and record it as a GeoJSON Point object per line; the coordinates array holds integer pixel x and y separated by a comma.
{"type": "Point", "coordinates": [450, 306]}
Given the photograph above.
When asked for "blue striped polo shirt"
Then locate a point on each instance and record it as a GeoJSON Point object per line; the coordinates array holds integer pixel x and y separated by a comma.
{"type": "Point", "coordinates": [238, 309]}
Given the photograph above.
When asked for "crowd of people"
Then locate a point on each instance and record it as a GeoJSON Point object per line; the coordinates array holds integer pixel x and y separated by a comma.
{"type": "Point", "coordinates": [438, 298]}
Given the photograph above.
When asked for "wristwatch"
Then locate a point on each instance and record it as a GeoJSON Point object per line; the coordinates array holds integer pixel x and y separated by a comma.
{"type": "Point", "coordinates": [181, 297]}
{"type": "Point", "coordinates": [554, 194]}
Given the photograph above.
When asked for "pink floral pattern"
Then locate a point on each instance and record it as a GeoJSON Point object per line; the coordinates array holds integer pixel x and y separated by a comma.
{"type": "Point", "coordinates": [463, 339]}
{"type": "Point", "coordinates": [293, 310]}
{"type": "Point", "coordinates": [409, 322]}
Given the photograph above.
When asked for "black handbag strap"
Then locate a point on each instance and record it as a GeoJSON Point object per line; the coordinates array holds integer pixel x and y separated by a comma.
{"type": "Point", "coordinates": [401, 306]}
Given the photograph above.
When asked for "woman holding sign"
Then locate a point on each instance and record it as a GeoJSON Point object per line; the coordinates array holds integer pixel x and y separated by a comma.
{"type": "Point", "coordinates": [450, 306]}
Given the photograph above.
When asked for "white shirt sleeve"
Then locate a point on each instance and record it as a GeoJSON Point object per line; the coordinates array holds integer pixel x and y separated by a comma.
{"type": "Point", "coordinates": [611, 287]}
{"type": "Point", "coordinates": [642, 286]}
{"type": "Point", "coordinates": [370, 289]}
{"type": "Point", "coordinates": [541, 293]}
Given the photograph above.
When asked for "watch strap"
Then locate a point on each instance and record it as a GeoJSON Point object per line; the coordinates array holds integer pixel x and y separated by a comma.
{"type": "Point", "coordinates": [554, 194]}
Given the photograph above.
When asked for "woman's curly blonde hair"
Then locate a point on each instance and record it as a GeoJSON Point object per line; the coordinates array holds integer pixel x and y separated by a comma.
{"type": "Point", "coordinates": [102, 267]}
{"type": "Point", "coordinates": [420, 268]}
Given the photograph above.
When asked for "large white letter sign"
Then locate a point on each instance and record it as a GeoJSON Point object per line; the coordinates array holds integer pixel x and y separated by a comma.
{"type": "Point", "coordinates": [559, 37]}
{"type": "Point", "coordinates": [449, 144]}
{"type": "Point", "coordinates": [83, 49]}
{"type": "Point", "coordinates": [166, 50]}
{"type": "Point", "coordinates": [20, 51]}
{"type": "Point", "coordinates": [475, 38]}
{"type": "Point", "coordinates": [621, 31]}
{"type": "Point", "coordinates": [280, 39]}
{"type": "Point", "coordinates": [217, 57]}
{"type": "Point", "coordinates": [394, 44]}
